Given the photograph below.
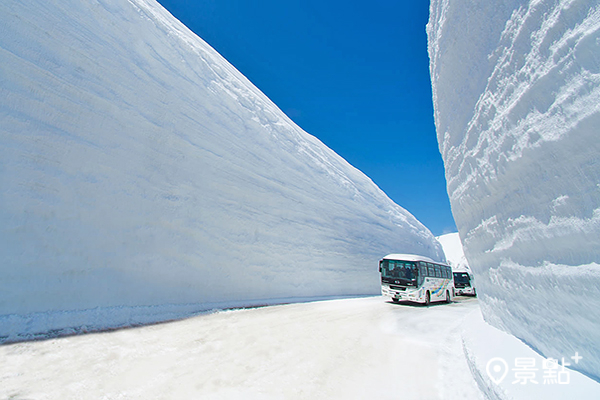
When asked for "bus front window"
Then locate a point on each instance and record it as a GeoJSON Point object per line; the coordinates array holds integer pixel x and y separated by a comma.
{"type": "Point", "coordinates": [461, 277]}
{"type": "Point", "coordinates": [404, 270]}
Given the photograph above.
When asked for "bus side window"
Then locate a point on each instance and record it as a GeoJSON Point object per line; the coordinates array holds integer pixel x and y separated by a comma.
{"type": "Point", "coordinates": [438, 273]}
{"type": "Point", "coordinates": [430, 270]}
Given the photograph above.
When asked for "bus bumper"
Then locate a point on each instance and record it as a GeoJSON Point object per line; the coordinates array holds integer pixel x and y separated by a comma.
{"type": "Point", "coordinates": [412, 295]}
{"type": "Point", "coordinates": [462, 291]}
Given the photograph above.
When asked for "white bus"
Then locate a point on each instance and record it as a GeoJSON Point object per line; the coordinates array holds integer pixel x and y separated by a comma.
{"type": "Point", "coordinates": [463, 283]}
{"type": "Point", "coordinates": [415, 278]}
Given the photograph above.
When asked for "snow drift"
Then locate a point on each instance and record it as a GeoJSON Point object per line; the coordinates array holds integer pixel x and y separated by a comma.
{"type": "Point", "coordinates": [143, 177]}
{"type": "Point", "coordinates": [516, 90]}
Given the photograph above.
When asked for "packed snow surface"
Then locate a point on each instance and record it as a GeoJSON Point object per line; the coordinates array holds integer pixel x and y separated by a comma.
{"type": "Point", "coordinates": [516, 91]}
{"type": "Point", "coordinates": [361, 348]}
{"type": "Point", "coordinates": [365, 348]}
{"type": "Point", "coordinates": [144, 178]}
{"type": "Point", "coordinates": [486, 347]}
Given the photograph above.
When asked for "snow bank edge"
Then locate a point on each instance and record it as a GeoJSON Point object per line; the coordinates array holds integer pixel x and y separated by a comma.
{"type": "Point", "coordinates": [477, 340]}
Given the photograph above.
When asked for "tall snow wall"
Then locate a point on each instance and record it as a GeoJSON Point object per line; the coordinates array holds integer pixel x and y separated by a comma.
{"type": "Point", "coordinates": [516, 91]}
{"type": "Point", "coordinates": [142, 177]}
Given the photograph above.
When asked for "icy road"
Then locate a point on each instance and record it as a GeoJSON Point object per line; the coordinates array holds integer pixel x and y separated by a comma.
{"type": "Point", "coordinates": [364, 348]}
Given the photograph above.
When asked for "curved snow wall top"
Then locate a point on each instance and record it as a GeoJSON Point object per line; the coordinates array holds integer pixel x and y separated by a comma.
{"type": "Point", "coordinates": [141, 172]}
{"type": "Point", "coordinates": [516, 90]}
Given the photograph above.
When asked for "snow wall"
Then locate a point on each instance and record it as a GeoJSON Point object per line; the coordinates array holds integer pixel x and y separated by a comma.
{"type": "Point", "coordinates": [143, 178]}
{"type": "Point", "coordinates": [516, 91]}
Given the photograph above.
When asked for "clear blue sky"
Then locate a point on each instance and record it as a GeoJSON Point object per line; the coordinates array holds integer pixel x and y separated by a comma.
{"type": "Point", "coordinates": [353, 74]}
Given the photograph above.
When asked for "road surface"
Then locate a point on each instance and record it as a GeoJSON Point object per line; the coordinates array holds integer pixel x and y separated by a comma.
{"type": "Point", "coordinates": [363, 348]}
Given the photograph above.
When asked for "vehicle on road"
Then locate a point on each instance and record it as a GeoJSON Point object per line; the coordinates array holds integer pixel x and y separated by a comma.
{"type": "Point", "coordinates": [415, 278]}
{"type": "Point", "coordinates": [463, 283]}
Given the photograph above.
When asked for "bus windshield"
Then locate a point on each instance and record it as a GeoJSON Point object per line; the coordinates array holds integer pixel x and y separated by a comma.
{"type": "Point", "coordinates": [461, 277]}
{"type": "Point", "coordinates": [399, 270]}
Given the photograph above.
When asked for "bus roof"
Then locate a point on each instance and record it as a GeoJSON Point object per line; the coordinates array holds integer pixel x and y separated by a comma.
{"type": "Point", "coordinates": [410, 257]}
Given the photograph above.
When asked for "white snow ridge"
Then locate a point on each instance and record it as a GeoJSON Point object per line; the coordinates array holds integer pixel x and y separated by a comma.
{"type": "Point", "coordinates": [453, 250]}
{"type": "Point", "coordinates": [516, 89]}
{"type": "Point", "coordinates": [144, 178]}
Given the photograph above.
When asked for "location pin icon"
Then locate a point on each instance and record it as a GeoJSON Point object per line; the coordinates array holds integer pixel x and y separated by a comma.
{"type": "Point", "coordinates": [497, 369]}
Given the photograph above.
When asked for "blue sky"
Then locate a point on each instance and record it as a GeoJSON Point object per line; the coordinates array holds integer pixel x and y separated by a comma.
{"type": "Point", "coordinates": [353, 74]}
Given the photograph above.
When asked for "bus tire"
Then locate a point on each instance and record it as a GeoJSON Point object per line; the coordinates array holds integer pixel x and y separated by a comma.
{"type": "Point", "coordinates": [427, 298]}
{"type": "Point", "coordinates": [395, 300]}
{"type": "Point", "coordinates": [474, 293]}
{"type": "Point", "coordinates": [448, 300]}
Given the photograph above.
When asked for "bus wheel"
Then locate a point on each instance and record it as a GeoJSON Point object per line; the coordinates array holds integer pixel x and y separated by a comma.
{"type": "Point", "coordinates": [427, 298]}
{"type": "Point", "coordinates": [474, 293]}
{"type": "Point", "coordinates": [395, 300]}
{"type": "Point", "coordinates": [447, 296]}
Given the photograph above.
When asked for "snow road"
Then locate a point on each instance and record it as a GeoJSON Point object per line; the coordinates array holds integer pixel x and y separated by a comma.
{"type": "Point", "coordinates": [350, 348]}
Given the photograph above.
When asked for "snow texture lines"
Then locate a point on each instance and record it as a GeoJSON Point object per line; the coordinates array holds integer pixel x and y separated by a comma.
{"type": "Point", "coordinates": [517, 97]}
